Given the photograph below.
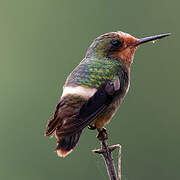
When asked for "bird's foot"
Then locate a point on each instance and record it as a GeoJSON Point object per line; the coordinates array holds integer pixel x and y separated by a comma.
{"type": "Point", "coordinates": [102, 135]}
{"type": "Point", "coordinates": [91, 127]}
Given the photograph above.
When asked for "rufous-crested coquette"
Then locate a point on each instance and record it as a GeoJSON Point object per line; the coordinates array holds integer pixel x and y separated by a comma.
{"type": "Point", "coordinates": [95, 88]}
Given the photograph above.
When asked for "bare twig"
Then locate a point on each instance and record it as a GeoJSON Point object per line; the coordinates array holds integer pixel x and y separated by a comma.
{"type": "Point", "coordinates": [119, 162]}
{"type": "Point", "coordinates": [106, 152]}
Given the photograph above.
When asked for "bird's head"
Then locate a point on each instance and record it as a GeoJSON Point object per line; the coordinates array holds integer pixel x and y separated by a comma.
{"type": "Point", "coordinates": [118, 45]}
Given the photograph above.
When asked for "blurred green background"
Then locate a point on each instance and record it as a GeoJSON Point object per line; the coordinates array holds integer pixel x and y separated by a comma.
{"type": "Point", "coordinates": [41, 41]}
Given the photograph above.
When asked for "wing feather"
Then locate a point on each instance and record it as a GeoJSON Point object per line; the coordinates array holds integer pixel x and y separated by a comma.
{"type": "Point", "coordinates": [72, 114]}
{"type": "Point", "coordinates": [92, 108]}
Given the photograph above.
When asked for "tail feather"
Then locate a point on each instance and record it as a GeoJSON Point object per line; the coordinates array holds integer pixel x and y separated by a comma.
{"type": "Point", "coordinates": [65, 145]}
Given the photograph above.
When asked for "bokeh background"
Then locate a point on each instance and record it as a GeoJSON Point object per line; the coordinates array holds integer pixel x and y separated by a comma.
{"type": "Point", "coordinates": [41, 41]}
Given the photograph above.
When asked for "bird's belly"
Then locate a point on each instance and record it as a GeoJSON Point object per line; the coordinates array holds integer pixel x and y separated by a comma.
{"type": "Point", "coordinates": [106, 116]}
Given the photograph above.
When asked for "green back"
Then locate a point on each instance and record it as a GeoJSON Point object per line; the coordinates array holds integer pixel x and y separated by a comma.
{"type": "Point", "coordinates": [92, 72]}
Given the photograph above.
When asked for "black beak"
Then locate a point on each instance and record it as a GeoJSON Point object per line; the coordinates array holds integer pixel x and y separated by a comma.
{"type": "Point", "coordinates": [151, 38]}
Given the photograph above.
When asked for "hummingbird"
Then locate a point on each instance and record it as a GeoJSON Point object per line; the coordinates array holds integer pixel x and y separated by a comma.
{"type": "Point", "coordinates": [95, 88]}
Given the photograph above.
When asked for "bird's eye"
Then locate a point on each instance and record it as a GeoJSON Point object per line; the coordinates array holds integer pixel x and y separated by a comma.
{"type": "Point", "coordinates": [116, 43]}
